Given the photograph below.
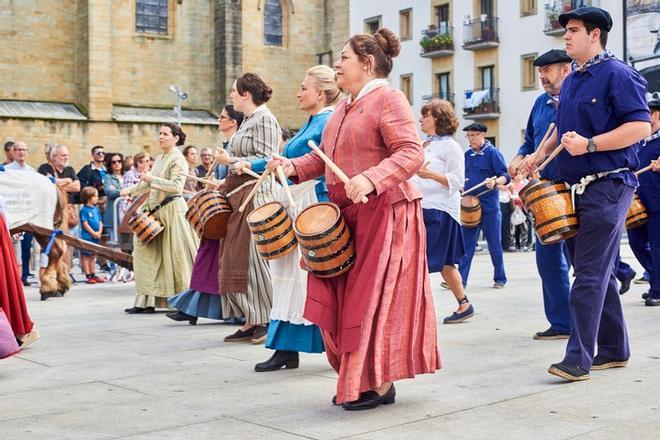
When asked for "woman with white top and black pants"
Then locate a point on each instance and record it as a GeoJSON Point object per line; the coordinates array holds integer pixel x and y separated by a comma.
{"type": "Point", "coordinates": [440, 181]}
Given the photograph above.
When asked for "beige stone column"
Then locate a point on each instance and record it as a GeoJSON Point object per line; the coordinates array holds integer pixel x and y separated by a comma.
{"type": "Point", "coordinates": [99, 25]}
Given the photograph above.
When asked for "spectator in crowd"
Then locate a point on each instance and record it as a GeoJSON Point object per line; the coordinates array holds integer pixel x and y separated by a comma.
{"type": "Point", "coordinates": [506, 206]}
{"type": "Point", "coordinates": [128, 164]}
{"type": "Point", "coordinates": [58, 168]}
{"type": "Point", "coordinates": [9, 153]}
{"type": "Point", "coordinates": [93, 173]}
{"type": "Point", "coordinates": [91, 229]}
{"type": "Point", "coordinates": [207, 161]}
{"type": "Point", "coordinates": [20, 152]}
{"type": "Point", "coordinates": [112, 184]}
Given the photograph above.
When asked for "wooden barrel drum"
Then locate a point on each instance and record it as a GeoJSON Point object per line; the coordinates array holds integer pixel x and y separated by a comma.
{"type": "Point", "coordinates": [272, 231]}
{"type": "Point", "coordinates": [208, 213]}
{"type": "Point", "coordinates": [145, 227]}
{"type": "Point", "coordinates": [637, 215]}
{"type": "Point", "coordinates": [550, 203]}
{"type": "Point", "coordinates": [324, 239]}
{"type": "Point", "coordinates": [470, 211]}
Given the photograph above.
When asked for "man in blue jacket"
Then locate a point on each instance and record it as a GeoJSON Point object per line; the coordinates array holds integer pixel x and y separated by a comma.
{"type": "Point", "coordinates": [554, 67]}
{"type": "Point", "coordinates": [482, 161]}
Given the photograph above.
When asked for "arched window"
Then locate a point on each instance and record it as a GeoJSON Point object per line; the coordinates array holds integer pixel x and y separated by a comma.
{"type": "Point", "coordinates": [273, 23]}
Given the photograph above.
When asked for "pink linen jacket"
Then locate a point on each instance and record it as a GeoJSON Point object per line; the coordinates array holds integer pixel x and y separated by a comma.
{"type": "Point", "coordinates": [375, 136]}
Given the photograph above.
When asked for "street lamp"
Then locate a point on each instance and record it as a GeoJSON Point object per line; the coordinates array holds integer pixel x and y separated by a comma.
{"type": "Point", "coordinates": [180, 96]}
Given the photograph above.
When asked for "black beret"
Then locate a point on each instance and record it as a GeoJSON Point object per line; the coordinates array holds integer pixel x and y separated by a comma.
{"type": "Point", "coordinates": [600, 17]}
{"type": "Point", "coordinates": [654, 104]}
{"type": "Point", "coordinates": [553, 56]}
{"type": "Point", "coordinates": [477, 126]}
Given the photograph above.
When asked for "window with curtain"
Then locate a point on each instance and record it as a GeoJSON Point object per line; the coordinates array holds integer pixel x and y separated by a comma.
{"type": "Point", "coordinates": [273, 23]}
{"type": "Point", "coordinates": [444, 86]}
{"type": "Point", "coordinates": [151, 16]}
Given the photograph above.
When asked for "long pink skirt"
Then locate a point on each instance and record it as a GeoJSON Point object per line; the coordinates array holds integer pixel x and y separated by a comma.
{"type": "Point", "coordinates": [378, 319]}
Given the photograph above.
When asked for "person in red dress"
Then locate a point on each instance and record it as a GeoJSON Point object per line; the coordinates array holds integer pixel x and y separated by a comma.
{"type": "Point", "coordinates": [377, 319]}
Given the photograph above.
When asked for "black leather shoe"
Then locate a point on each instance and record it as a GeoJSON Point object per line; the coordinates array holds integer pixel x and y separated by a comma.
{"type": "Point", "coordinates": [652, 302]}
{"type": "Point", "coordinates": [603, 363]}
{"type": "Point", "coordinates": [551, 334]}
{"type": "Point", "coordinates": [136, 310]}
{"type": "Point", "coordinates": [646, 295]}
{"type": "Point", "coordinates": [568, 371]}
{"type": "Point", "coordinates": [240, 335]}
{"type": "Point", "coordinates": [625, 284]}
{"type": "Point", "coordinates": [25, 282]}
{"type": "Point", "coordinates": [279, 359]}
{"type": "Point", "coordinates": [180, 316]}
{"type": "Point", "coordinates": [371, 399]}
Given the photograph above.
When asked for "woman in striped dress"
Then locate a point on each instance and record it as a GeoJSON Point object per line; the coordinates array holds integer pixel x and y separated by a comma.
{"type": "Point", "coordinates": [245, 282]}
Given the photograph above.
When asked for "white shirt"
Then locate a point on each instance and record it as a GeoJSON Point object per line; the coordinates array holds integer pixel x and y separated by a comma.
{"type": "Point", "coordinates": [16, 166]}
{"type": "Point", "coordinates": [445, 156]}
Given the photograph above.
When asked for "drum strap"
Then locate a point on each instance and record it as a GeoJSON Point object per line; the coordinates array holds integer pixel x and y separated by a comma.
{"type": "Point", "coordinates": [165, 201]}
{"type": "Point", "coordinates": [581, 186]}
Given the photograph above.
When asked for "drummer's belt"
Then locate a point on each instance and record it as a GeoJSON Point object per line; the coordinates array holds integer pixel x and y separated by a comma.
{"type": "Point", "coordinates": [165, 201]}
{"type": "Point", "coordinates": [581, 186]}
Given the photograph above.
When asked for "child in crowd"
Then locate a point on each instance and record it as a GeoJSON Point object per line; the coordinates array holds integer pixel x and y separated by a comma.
{"type": "Point", "coordinates": [91, 225]}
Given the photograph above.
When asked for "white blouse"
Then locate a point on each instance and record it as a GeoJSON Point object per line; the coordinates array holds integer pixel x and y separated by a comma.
{"type": "Point", "coordinates": [444, 156]}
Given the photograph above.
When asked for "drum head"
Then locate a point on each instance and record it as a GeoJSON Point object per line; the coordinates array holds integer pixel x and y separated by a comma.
{"type": "Point", "coordinates": [263, 212]}
{"type": "Point", "coordinates": [317, 218]}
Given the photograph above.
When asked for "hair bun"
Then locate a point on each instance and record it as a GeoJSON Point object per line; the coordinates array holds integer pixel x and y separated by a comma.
{"type": "Point", "coordinates": [388, 41]}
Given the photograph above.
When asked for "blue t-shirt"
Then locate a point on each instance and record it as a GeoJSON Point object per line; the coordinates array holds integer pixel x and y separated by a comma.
{"type": "Point", "coordinates": [543, 113]}
{"type": "Point", "coordinates": [92, 216]}
{"type": "Point", "coordinates": [596, 101]}
{"type": "Point", "coordinates": [479, 166]}
{"type": "Point", "coordinates": [649, 182]}
{"type": "Point", "coordinates": [297, 146]}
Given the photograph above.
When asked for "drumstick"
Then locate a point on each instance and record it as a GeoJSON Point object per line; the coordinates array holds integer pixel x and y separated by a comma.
{"type": "Point", "coordinates": [645, 169]}
{"type": "Point", "coordinates": [335, 169]}
{"type": "Point", "coordinates": [285, 184]}
{"type": "Point", "coordinates": [549, 159]}
{"type": "Point", "coordinates": [249, 172]}
{"type": "Point", "coordinates": [197, 179]}
{"type": "Point", "coordinates": [208, 173]}
{"type": "Point", "coordinates": [254, 190]}
{"type": "Point", "coordinates": [548, 133]}
{"type": "Point", "coordinates": [480, 185]}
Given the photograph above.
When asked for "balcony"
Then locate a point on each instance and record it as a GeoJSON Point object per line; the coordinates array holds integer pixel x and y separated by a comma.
{"type": "Point", "coordinates": [482, 104]}
{"type": "Point", "coordinates": [480, 33]}
{"type": "Point", "coordinates": [444, 96]}
{"type": "Point", "coordinates": [554, 8]}
{"type": "Point", "coordinates": [437, 42]}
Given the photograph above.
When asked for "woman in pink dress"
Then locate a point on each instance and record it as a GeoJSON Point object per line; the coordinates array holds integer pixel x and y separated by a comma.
{"type": "Point", "coordinates": [377, 319]}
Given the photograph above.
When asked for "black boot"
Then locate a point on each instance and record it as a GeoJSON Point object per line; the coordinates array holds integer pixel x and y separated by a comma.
{"type": "Point", "coordinates": [279, 359]}
{"type": "Point", "coordinates": [180, 316]}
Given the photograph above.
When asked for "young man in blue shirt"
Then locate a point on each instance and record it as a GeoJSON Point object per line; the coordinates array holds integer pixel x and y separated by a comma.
{"type": "Point", "coordinates": [602, 115]}
{"type": "Point", "coordinates": [554, 67]}
{"type": "Point", "coordinates": [483, 160]}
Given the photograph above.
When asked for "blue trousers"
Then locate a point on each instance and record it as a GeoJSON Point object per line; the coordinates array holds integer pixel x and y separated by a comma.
{"type": "Point", "coordinates": [645, 243]}
{"type": "Point", "coordinates": [553, 269]}
{"type": "Point", "coordinates": [491, 223]}
{"type": "Point", "coordinates": [596, 312]}
{"type": "Point", "coordinates": [26, 247]}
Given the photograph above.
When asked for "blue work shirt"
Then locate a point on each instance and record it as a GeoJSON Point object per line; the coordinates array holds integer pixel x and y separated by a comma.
{"type": "Point", "coordinates": [479, 166]}
{"type": "Point", "coordinates": [543, 113]}
{"type": "Point", "coordinates": [92, 216]}
{"type": "Point", "coordinates": [649, 182]}
{"type": "Point", "coordinates": [596, 101]}
{"type": "Point", "coordinates": [297, 146]}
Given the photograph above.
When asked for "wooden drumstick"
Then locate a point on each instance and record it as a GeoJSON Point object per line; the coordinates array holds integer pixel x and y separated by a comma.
{"type": "Point", "coordinates": [335, 169]}
{"type": "Point", "coordinates": [548, 133]}
{"type": "Point", "coordinates": [197, 179]}
{"type": "Point", "coordinates": [285, 184]}
{"type": "Point", "coordinates": [549, 159]}
{"type": "Point", "coordinates": [645, 169]}
{"type": "Point", "coordinates": [480, 185]}
{"type": "Point", "coordinates": [208, 173]}
{"type": "Point", "coordinates": [249, 172]}
{"type": "Point", "coordinates": [254, 190]}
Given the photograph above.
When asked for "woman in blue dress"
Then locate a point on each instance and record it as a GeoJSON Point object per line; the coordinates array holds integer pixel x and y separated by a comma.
{"type": "Point", "coordinates": [289, 333]}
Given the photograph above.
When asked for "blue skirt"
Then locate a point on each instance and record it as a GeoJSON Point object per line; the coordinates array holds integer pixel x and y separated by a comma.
{"type": "Point", "coordinates": [444, 240]}
{"type": "Point", "coordinates": [283, 335]}
{"type": "Point", "coordinates": [196, 303]}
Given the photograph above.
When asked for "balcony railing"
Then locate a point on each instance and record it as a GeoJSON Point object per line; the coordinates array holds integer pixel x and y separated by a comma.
{"type": "Point", "coordinates": [482, 104]}
{"type": "Point", "coordinates": [554, 8]}
{"type": "Point", "coordinates": [437, 41]}
{"type": "Point", "coordinates": [445, 96]}
{"type": "Point", "coordinates": [481, 33]}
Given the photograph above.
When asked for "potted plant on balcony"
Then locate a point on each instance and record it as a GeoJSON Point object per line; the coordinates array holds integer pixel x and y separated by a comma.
{"type": "Point", "coordinates": [553, 17]}
{"type": "Point", "coordinates": [431, 31]}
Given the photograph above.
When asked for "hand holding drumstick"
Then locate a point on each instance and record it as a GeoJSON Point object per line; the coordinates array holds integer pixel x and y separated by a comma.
{"type": "Point", "coordinates": [357, 188]}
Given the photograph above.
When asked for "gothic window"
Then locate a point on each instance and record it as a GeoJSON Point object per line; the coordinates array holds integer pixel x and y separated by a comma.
{"type": "Point", "coordinates": [273, 23]}
{"type": "Point", "coordinates": [151, 16]}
